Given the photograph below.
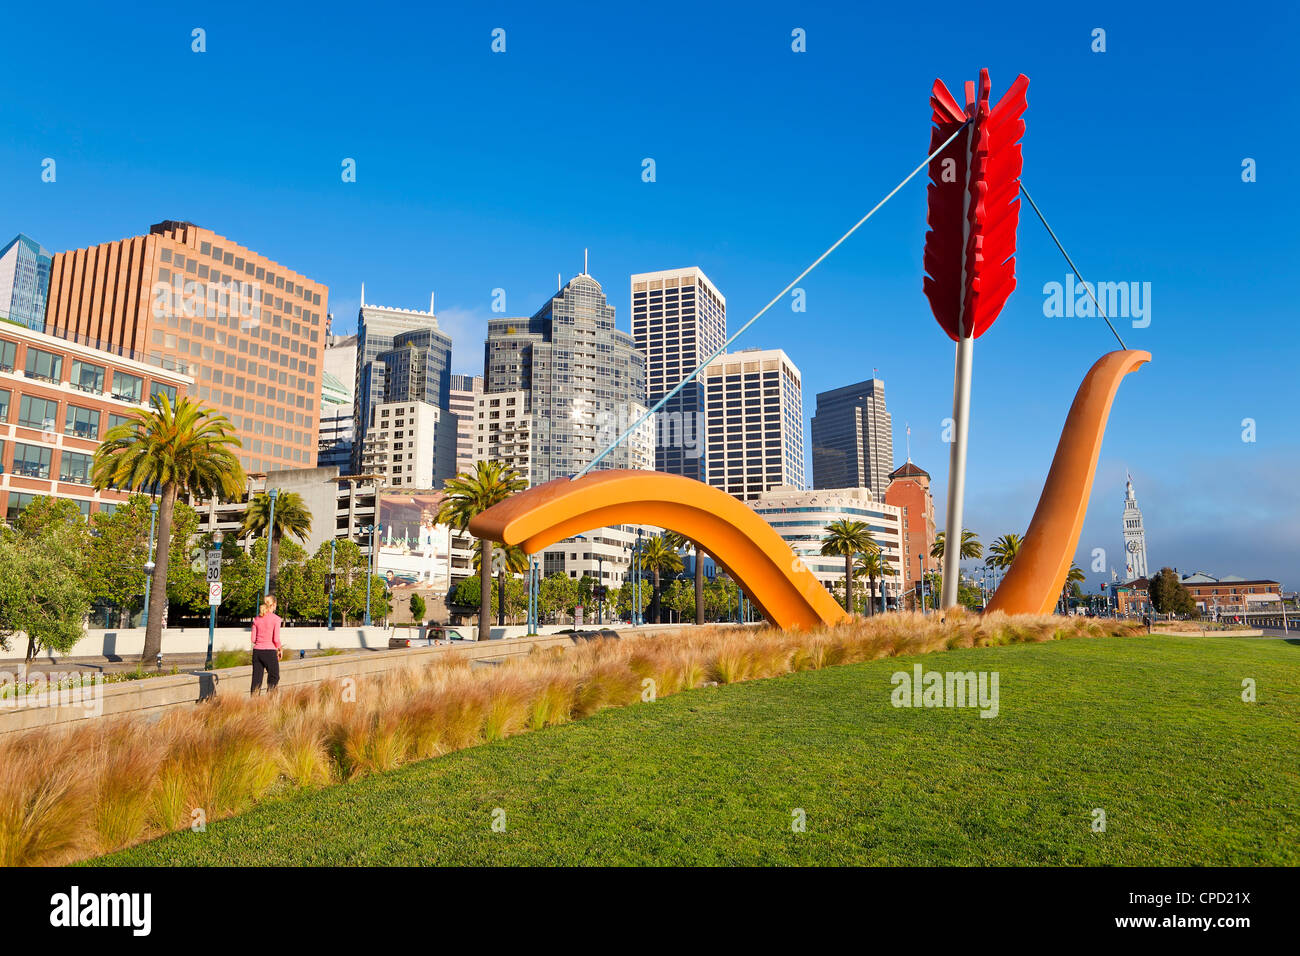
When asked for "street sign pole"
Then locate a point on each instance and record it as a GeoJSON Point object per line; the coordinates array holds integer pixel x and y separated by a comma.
{"type": "Point", "coordinates": [331, 601]}
{"type": "Point", "coordinates": [214, 593]}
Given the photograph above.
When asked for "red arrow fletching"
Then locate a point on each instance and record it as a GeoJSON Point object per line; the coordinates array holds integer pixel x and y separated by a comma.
{"type": "Point", "coordinates": [973, 206]}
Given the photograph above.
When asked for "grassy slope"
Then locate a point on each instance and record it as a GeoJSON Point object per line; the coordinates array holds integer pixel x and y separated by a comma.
{"type": "Point", "coordinates": [1151, 729]}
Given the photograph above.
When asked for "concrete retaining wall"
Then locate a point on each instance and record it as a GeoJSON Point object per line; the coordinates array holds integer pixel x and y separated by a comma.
{"type": "Point", "coordinates": [127, 643]}
{"type": "Point", "coordinates": [155, 695]}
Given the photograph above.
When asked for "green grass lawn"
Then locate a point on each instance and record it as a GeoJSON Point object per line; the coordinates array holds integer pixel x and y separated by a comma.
{"type": "Point", "coordinates": [1152, 730]}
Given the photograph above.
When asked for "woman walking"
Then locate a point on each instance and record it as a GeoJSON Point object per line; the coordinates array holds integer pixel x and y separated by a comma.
{"type": "Point", "coordinates": [266, 646]}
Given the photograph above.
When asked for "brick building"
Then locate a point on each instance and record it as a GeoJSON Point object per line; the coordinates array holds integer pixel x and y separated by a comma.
{"type": "Point", "coordinates": [57, 400]}
{"type": "Point", "coordinates": [909, 489]}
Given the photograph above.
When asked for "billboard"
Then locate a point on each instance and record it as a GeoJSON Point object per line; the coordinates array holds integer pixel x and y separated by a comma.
{"type": "Point", "coordinates": [413, 549]}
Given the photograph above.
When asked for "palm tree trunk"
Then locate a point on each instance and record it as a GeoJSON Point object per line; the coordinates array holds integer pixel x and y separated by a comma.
{"type": "Point", "coordinates": [501, 598]}
{"type": "Point", "coordinates": [871, 598]}
{"type": "Point", "coordinates": [485, 591]}
{"type": "Point", "coordinates": [848, 583]}
{"type": "Point", "coordinates": [158, 585]}
{"type": "Point", "coordinates": [699, 584]}
{"type": "Point", "coordinates": [654, 599]}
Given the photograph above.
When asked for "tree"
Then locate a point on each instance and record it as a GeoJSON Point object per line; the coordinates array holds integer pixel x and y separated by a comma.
{"type": "Point", "coordinates": [970, 545]}
{"type": "Point", "coordinates": [556, 594]}
{"type": "Point", "coordinates": [185, 449]}
{"type": "Point", "coordinates": [417, 608]}
{"type": "Point", "coordinates": [1072, 580]}
{"type": "Point", "coordinates": [1168, 594]}
{"type": "Point", "coordinates": [1003, 551]}
{"type": "Point", "coordinates": [873, 564]}
{"type": "Point", "coordinates": [468, 495]}
{"type": "Point", "coordinates": [848, 538]}
{"type": "Point", "coordinates": [291, 517]}
{"type": "Point", "coordinates": [659, 557]}
{"type": "Point", "coordinates": [697, 602]}
{"type": "Point", "coordinates": [43, 594]}
{"type": "Point", "coordinates": [516, 562]}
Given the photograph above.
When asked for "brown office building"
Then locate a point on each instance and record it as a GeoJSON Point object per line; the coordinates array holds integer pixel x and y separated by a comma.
{"type": "Point", "coordinates": [909, 489]}
{"type": "Point", "coordinates": [250, 331]}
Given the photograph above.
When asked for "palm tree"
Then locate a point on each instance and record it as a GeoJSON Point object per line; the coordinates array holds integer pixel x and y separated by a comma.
{"type": "Point", "coordinates": [970, 545]}
{"type": "Point", "coordinates": [848, 538]}
{"type": "Point", "coordinates": [874, 565]}
{"type": "Point", "coordinates": [1003, 551]}
{"type": "Point", "coordinates": [659, 555]}
{"type": "Point", "coordinates": [516, 562]}
{"type": "Point", "coordinates": [291, 517]}
{"type": "Point", "coordinates": [1074, 576]}
{"type": "Point", "coordinates": [684, 542]}
{"type": "Point", "coordinates": [169, 450]}
{"type": "Point", "coordinates": [470, 494]}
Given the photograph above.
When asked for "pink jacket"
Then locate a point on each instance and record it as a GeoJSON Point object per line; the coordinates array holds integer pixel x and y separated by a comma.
{"type": "Point", "coordinates": [266, 632]}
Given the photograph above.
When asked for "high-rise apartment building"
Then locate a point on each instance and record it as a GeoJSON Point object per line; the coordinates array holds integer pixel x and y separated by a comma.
{"type": "Point", "coordinates": [679, 319]}
{"type": "Point", "coordinates": [852, 438]}
{"type": "Point", "coordinates": [584, 381]}
{"type": "Point", "coordinates": [404, 358]}
{"type": "Point", "coordinates": [335, 443]}
{"type": "Point", "coordinates": [409, 445]}
{"type": "Point", "coordinates": [24, 282]}
{"type": "Point", "coordinates": [465, 392]}
{"type": "Point", "coordinates": [755, 422]}
{"type": "Point", "coordinates": [503, 430]}
{"type": "Point", "coordinates": [250, 330]}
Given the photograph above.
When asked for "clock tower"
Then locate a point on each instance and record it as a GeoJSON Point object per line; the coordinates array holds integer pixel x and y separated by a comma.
{"type": "Point", "coordinates": [1135, 537]}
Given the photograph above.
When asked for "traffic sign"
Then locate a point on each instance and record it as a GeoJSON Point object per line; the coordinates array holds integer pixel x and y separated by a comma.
{"type": "Point", "coordinates": [214, 566]}
{"type": "Point", "coordinates": [214, 593]}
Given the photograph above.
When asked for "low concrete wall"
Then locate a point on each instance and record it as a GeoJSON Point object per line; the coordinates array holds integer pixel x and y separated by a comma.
{"type": "Point", "coordinates": [155, 695]}
{"type": "Point", "coordinates": [128, 643]}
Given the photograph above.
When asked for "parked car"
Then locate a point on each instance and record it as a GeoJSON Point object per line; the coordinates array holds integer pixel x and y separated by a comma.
{"type": "Point", "coordinates": [434, 634]}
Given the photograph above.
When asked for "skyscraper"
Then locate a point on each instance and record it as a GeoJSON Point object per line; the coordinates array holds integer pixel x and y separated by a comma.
{"type": "Point", "coordinates": [249, 330]}
{"type": "Point", "coordinates": [679, 319]}
{"type": "Point", "coordinates": [853, 439]}
{"type": "Point", "coordinates": [755, 422]}
{"type": "Point", "coordinates": [583, 379]}
{"type": "Point", "coordinates": [334, 447]}
{"type": "Point", "coordinates": [24, 282]}
{"type": "Point", "coordinates": [404, 359]}
{"type": "Point", "coordinates": [1135, 536]}
{"type": "Point", "coordinates": [465, 392]}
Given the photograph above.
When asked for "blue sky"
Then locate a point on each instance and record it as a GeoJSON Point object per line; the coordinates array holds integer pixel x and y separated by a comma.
{"type": "Point", "coordinates": [478, 171]}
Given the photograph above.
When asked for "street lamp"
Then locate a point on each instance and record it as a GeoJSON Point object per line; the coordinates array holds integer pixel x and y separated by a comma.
{"type": "Point", "coordinates": [920, 559]}
{"type": "Point", "coordinates": [637, 620]}
{"type": "Point", "coordinates": [270, 534]}
{"type": "Point", "coordinates": [331, 584]}
{"type": "Point", "coordinates": [214, 598]}
{"type": "Point", "coordinates": [149, 565]}
{"type": "Point", "coordinates": [371, 564]}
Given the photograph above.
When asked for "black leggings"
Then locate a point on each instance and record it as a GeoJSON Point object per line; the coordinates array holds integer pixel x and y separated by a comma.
{"type": "Point", "coordinates": [265, 660]}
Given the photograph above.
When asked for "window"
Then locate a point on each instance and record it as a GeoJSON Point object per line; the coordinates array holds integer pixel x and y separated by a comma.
{"type": "Point", "coordinates": [115, 419]}
{"type": "Point", "coordinates": [7, 350]}
{"type": "Point", "coordinates": [158, 388]}
{"type": "Point", "coordinates": [36, 412]}
{"type": "Point", "coordinates": [43, 365]}
{"type": "Point", "coordinates": [81, 422]}
{"type": "Point", "coordinates": [74, 466]}
{"type": "Point", "coordinates": [32, 461]}
{"type": "Point", "coordinates": [4, 404]}
{"type": "Point", "coordinates": [17, 502]}
{"type": "Point", "coordinates": [127, 387]}
{"type": "Point", "coordinates": [87, 377]}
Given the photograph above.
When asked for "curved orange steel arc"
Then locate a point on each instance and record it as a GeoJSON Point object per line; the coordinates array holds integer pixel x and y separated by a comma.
{"type": "Point", "coordinates": [745, 545]}
{"type": "Point", "coordinates": [1034, 582]}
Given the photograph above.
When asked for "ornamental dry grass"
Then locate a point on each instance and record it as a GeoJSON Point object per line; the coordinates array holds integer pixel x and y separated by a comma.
{"type": "Point", "coordinates": [68, 795]}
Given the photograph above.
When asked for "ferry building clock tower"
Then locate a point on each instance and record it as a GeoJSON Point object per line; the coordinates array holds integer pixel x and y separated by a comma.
{"type": "Point", "coordinates": [1135, 538]}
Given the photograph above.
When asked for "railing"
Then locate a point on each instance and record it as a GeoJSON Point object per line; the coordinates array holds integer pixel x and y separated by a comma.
{"type": "Point", "coordinates": [114, 349]}
{"type": "Point", "coordinates": [31, 471]}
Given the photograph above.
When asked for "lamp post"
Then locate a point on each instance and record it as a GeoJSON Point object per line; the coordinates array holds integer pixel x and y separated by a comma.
{"type": "Point", "coordinates": [149, 565]}
{"type": "Point", "coordinates": [636, 582]}
{"type": "Point", "coordinates": [270, 536]}
{"type": "Point", "coordinates": [374, 529]}
{"type": "Point", "coordinates": [920, 559]}
{"type": "Point", "coordinates": [214, 559]}
{"type": "Point", "coordinates": [331, 583]}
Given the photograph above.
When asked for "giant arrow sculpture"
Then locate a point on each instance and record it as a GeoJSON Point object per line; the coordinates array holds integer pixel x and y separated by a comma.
{"type": "Point", "coordinates": [970, 251]}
